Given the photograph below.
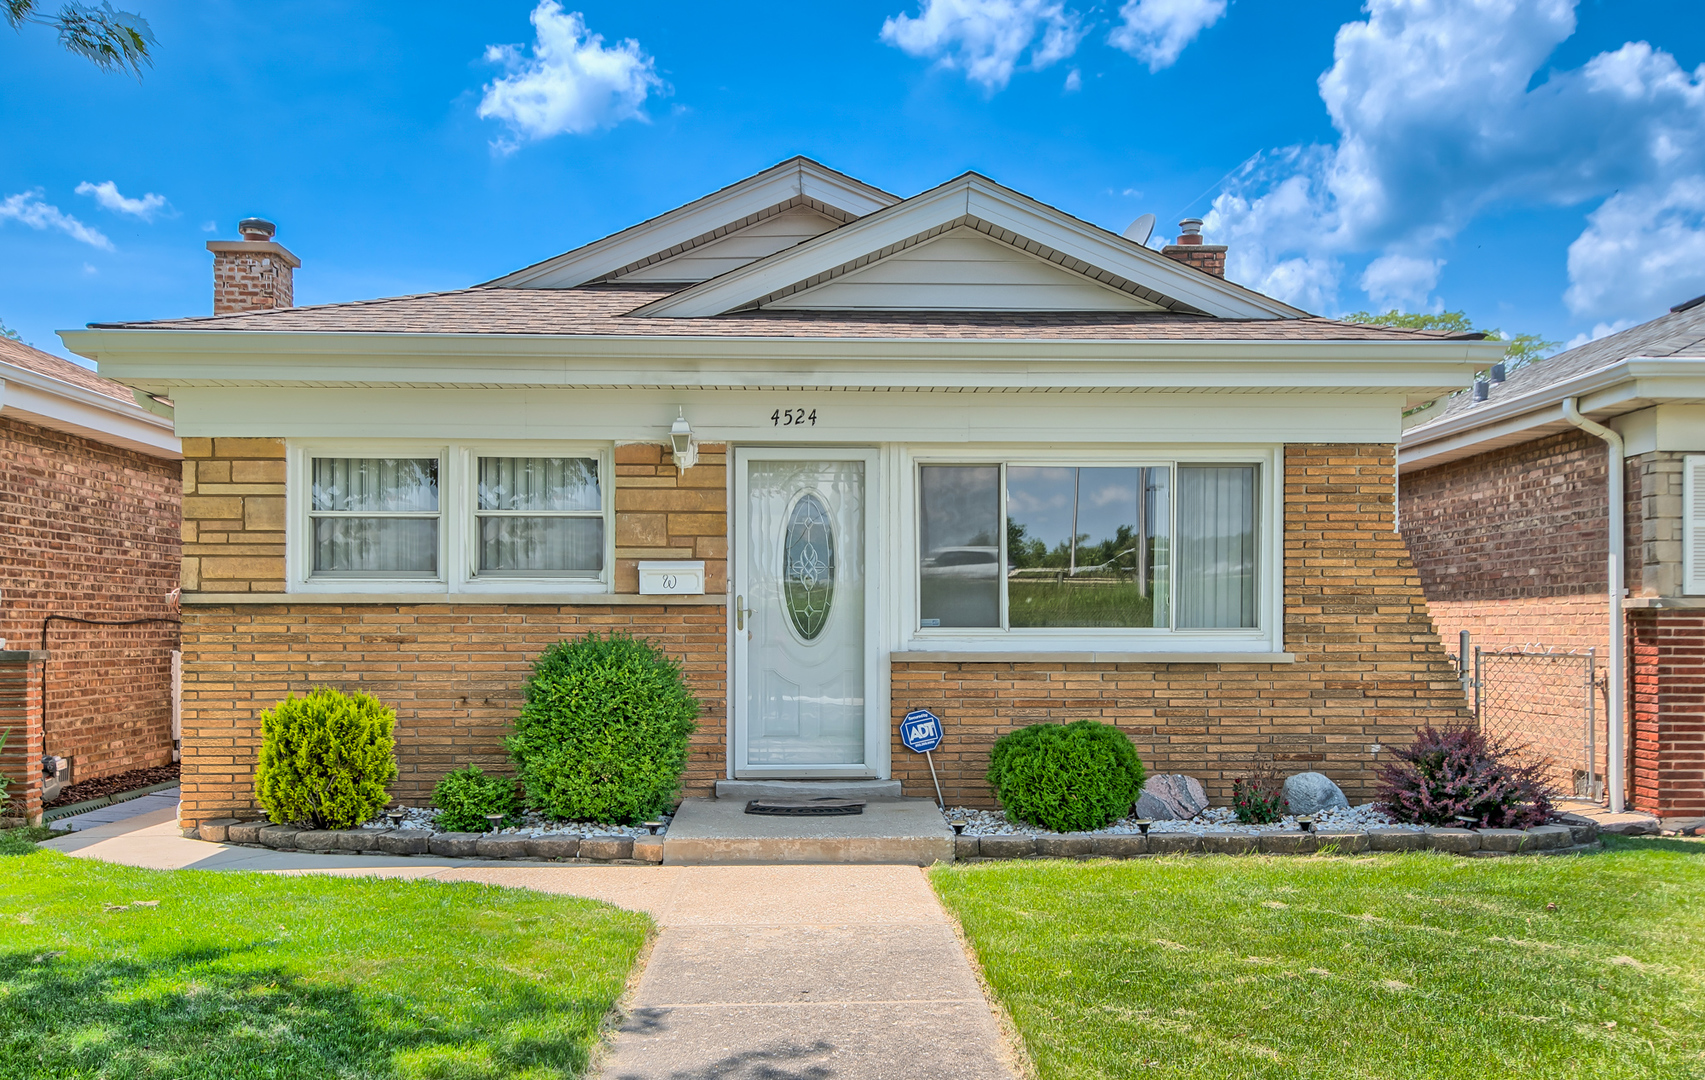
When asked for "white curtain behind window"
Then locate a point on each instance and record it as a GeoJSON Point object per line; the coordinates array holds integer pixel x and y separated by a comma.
{"type": "Point", "coordinates": [402, 537]}
{"type": "Point", "coordinates": [1215, 546]}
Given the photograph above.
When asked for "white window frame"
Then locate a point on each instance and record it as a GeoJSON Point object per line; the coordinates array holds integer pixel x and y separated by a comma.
{"type": "Point", "coordinates": [1692, 524]}
{"type": "Point", "coordinates": [458, 549]}
{"type": "Point", "coordinates": [1265, 637]}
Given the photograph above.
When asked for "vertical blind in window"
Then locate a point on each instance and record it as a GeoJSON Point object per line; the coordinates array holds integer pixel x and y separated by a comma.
{"type": "Point", "coordinates": [540, 517]}
{"type": "Point", "coordinates": [1216, 546]}
{"type": "Point", "coordinates": [375, 516]}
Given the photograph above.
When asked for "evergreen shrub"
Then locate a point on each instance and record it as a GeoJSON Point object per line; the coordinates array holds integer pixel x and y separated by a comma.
{"type": "Point", "coordinates": [465, 796]}
{"type": "Point", "coordinates": [602, 734]}
{"type": "Point", "coordinates": [1457, 772]}
{"type": "Point", "coordinates": [325, 759]}
{"type": "Point", "coordinates": [1066, 777]}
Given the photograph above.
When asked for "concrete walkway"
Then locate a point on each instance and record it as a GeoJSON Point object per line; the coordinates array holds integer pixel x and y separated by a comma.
{"type": "Point", "coordinates": [758, 973]}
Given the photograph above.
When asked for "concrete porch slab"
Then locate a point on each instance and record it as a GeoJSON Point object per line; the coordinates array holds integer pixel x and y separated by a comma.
{"type": "Point", "coordinates": [896, 831]}
{"type": "Point", "coordinates": [744, 790]}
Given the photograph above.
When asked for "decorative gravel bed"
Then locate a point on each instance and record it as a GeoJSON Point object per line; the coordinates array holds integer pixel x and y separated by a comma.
{"type": "Point", "coordinates": [1219, 819]}
{"type": "Point", "coordinates": [533, 824]}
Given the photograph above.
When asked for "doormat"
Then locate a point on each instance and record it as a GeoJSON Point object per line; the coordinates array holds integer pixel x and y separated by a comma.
{"type": "Point", "coordinates": [822, 807]}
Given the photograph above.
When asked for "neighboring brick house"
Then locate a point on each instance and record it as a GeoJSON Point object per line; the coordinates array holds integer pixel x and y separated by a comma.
{"type": "Point", "coordinates": [1506, 510]}
{"type": "Point", "coordinates": [89, 493]}
{"type": "Point", "coordinates": [844, 454]}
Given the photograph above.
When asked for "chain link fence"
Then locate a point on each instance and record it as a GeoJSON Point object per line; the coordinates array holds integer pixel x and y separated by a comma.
{"type": "Point", "coordinates": [1547, 703]}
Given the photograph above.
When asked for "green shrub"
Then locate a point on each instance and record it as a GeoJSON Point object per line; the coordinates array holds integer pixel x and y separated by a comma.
{"type": "Point", "coordinates": [1066, 777]}
{"type": "Point", "coordinates": [1258, 797]}
{"type": "Point", "coordinates": [464, 798]}
{"type": "Point", "coordinates": [325, 759]}
{"type": "Point", "coordinates": [603, 731]}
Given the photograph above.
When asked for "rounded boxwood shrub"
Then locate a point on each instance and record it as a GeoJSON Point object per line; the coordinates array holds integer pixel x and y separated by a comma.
{"type": "Point", "coordinates": [603, 731]}
{"type": "Point", "coordinates": [465, 796]}
{"type": "Point", "coordinates": [1066, 777]}
{"type": "Point", "coordinates": [325, 759]}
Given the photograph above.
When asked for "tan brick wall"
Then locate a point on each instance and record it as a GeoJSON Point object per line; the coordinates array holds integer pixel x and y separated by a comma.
{"type": "Point", "coordinates": [453, 672]}
{"type": "Point", "coordinates": [1369, 666]}
{"type": "Point", "coordinates": [233, 514]}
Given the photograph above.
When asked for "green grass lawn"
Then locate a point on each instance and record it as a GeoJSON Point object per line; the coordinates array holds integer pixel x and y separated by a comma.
{"type": "Point", "coordinates": [109, 971]}
{"type": "Point", "coordinates": [1413, 966]}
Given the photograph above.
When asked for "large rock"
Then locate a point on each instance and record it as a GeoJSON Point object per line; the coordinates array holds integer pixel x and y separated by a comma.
{"type": "Point", "coordinates": [1312, 792]}
{"type": "Point", "coordinates": [1172, 797]}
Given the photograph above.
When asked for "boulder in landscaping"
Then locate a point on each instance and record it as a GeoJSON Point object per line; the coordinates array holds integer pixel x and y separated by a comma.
{"type": "Point", "coordinates": [1312, 792]}
{"type": "Point", "coordinates": [1172, 797]}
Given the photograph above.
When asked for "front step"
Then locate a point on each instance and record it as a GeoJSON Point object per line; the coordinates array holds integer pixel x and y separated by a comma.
{"type": "Point", "coordinates": [745, 790]}
{"type": "Point", "coordinates": [708, 832]}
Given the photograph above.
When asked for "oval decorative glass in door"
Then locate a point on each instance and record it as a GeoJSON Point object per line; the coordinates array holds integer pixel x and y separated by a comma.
{"type": "Point", "coordinates": [808, 573]}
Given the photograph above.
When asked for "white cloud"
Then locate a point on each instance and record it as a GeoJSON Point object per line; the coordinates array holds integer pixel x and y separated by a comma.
{"type": "Point", "coordinates": [985, 38]}
{"type": "Point", "coordinates": [27, 208]}
{"type": "Point", "coordinates": [1400, 280]}
{"type": "Point", "coordinates": [1074, 81]}
{"type": "Point", "coordinates": [1157, 31]}
{"type": "Point", "coordinates": [571, 83]}
{"type": "Point", "coordinates": [1437, 121]}
{"type": "Point", "coordinates": [1642, 250]}
{"type": "Point", "coordinates": [107, 195]}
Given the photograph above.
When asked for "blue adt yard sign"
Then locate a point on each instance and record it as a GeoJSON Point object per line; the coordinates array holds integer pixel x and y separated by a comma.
{"type": "Point", "coordinates": [921, 732]}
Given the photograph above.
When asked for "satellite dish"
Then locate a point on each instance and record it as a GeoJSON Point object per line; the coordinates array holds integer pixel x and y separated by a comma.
{"type": "Point", "coordinates": [1141, 229]}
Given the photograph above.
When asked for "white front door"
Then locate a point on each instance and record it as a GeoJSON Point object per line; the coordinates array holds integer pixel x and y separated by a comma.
{"type": "Point", "coordinates": [804, 579]}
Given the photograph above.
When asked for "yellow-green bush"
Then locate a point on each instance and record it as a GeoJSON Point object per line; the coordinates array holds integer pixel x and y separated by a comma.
{"type": "Point", "coordinates": [325, 759]}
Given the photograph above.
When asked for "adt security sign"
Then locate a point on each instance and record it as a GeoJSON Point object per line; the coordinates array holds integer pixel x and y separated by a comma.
{"type": "Point", "coordinates": [921, 731]}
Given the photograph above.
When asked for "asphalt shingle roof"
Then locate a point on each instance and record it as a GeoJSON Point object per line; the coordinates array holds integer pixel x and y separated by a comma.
{"type": "Point", "coordinates": [603, 311]}
{"type": "Point", "coordinates": [33, 359]}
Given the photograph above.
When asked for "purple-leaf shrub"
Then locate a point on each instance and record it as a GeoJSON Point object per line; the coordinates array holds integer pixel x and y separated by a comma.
{"type": "Point", "coordinates": [1459, 772]}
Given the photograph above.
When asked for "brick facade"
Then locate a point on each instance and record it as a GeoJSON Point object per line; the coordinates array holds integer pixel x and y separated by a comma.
{"type": "Point", "coordinates": [20, 724]}
{"type": "Point", "coordinates": [252, 275]}
{"type": "Point", "coordinates": [92, 532]}
{"type": "Point", "coordinates": [1369, 667]}
{"type": "Point", "coordinates": [233, 515]}
{"type": "Point", "coordinates": [1668, 715]}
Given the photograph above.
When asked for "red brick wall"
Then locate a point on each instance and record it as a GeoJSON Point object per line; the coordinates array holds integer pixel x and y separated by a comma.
{"type": "Point", "coordinates": [1369, 667]}
{"type": "Point", "coordinates": [20, 724]}
{"type": "Point", "coordinates": [1668, 739]}
{"type": "Point", "coordinates": [92, 531]}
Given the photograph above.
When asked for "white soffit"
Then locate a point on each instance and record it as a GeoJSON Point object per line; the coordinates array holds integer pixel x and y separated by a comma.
{"type": "Point", "coordinates": [47, 402]}
{"type": "Point", "coordinates": [798, 179]}
{"type": "Point", "coordinates": [1005, 214]}
{"type": "Point", "coordinates": [963, 270]}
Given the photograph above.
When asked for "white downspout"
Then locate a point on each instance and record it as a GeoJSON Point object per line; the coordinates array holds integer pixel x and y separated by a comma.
{"type": "Point", "coordinates": [1615, 715]}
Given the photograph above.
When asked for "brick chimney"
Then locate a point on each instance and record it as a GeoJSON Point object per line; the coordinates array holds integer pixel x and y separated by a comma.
{"type": "Point", "coordinates": [1189, 250]}
{"type": "Point", "coordinates": [254, 273]}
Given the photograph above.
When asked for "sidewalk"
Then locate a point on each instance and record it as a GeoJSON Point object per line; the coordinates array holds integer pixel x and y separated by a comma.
{"type": "Point", "coordinates": [758, 973]}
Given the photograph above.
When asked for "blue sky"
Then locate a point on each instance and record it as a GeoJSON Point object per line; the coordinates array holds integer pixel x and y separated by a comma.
{"type": "Point", "coordinates": [1538, 163]}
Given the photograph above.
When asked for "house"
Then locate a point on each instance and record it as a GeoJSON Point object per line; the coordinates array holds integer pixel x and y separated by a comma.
{"type": "Point", "coordinates": [1517, 497]}
{"type": "Point", "coordinates": [845, 454]}
{"type": "Point", "coordinates": [89, 493]}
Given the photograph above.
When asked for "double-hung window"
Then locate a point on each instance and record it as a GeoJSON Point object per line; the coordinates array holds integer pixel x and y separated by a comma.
{"type": "Point", "coordinates": [374, 517]}
{"type": "Point", "coordinates": [489, 518]}
{"type": "Point", "coordinates": [1057, 546]}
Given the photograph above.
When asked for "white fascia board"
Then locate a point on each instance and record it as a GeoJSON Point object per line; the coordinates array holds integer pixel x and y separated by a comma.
{"type": "Point", "coordinates": [768, 188]}
{"type": "Point", "coordinates": [1617, 388]}
{"type": "Point", "coordinates": [158, 360]}
{"type": "Point", "coordinates": [60, 406]}
{"type": "Point", "coordinates": [976, 197]}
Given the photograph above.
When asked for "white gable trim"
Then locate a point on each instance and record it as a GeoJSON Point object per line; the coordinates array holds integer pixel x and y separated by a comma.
{"type": "Point", "coordinates": [1043, 284]}
{"type": "Point", "coordinates": [972, 196]}
{"type": "Point", "coordinates": [798, 178]}
{"type": "Point", "coordinates": [677, 264]}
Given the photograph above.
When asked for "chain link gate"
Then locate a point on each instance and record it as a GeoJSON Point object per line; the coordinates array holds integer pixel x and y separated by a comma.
{"type": "Point", "coordinates": [1546, 704]}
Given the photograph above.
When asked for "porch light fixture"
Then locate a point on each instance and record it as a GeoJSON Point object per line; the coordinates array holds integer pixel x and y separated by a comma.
{"type": "Point", "coordinates": [496, 821]}
{"type": "Point", "coordinates": [681, 441]}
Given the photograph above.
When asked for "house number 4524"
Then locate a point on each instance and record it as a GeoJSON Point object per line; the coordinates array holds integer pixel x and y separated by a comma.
{"type": "Point", "coordinates": [793, 418]}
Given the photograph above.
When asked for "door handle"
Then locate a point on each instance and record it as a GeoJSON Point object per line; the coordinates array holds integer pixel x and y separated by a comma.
{"type": "Point", "coordinates": [740, 612]}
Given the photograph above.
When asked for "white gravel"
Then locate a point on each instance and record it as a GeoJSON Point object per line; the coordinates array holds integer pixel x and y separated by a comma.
{"type": "Point", "coordinates": [1217, 819]}
{"type": "Point", "coordinates": [533, 824]}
